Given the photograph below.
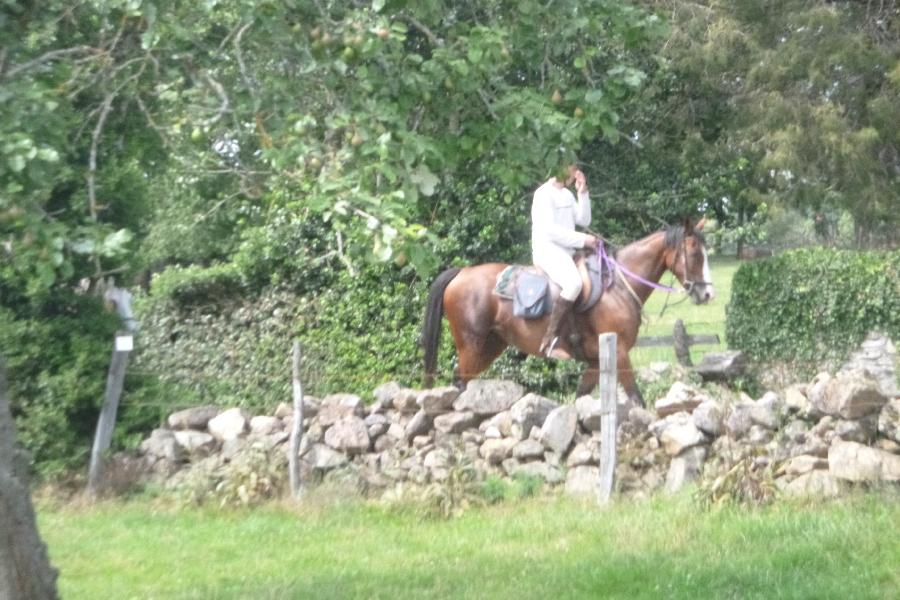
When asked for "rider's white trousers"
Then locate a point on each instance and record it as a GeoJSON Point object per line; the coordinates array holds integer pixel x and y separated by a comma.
{"type": "Point", "coordinates": [559, 266]}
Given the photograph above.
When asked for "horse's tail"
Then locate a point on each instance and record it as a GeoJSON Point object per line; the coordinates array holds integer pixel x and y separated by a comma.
{"type": "Point", "coordinates": [431, 328]}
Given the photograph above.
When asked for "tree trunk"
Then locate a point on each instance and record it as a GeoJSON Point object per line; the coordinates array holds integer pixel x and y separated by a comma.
{"type": "Point", "coordinates": [25, 571]}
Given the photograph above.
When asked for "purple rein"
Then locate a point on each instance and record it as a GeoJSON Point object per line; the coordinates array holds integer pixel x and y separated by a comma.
{"type": "Point", "coordinates": [612, 264]}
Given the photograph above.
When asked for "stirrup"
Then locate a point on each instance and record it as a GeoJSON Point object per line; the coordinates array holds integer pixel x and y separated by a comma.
{"type": "Point", "coordinates": [546, 349]}
{"type": "Point", "coordinates": [553, 352]}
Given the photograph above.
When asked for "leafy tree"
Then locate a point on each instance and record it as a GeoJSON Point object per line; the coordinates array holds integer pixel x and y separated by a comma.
{"type": "Point", "coordinates": [786, 104]}
{"type": "Point", "coordinates": [286, 141]}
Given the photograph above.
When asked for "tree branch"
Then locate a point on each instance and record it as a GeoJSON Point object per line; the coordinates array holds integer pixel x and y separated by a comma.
{"type": "Point", "coordinates": [153, 124]}
{"type": "Point", "coordinates": [487, 104]}
{"type": "Point", "coordinates": [435, 41]}
{"type": "Point", "coordinates": [224, 107]}
{"type": "Point", "coordinates": [49, 56]}
{"type": "Point", "coordinates": [243, 67]}
{"type": "Point", "coordinates": [342, 256]}
{"type": "Point", "coordinates": [92, 160]}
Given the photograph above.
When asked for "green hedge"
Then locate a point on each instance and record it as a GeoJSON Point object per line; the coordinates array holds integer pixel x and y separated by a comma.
{"type": "Point", "coordinates": [811, 308]}
{"type": "Point", "coordinates": [57, 358]}
{"type": "Point", "coordinates": [201, 343]}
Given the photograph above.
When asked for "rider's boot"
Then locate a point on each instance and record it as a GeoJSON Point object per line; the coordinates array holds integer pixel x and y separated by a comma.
{"type": "Point", "coordinates": [551, 338]}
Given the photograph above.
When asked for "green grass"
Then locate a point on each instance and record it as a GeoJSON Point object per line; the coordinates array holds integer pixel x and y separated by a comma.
{"type": "Point", "coordinates": [662, 310]}
{"type": "Point", "coordinates": [541, 548]}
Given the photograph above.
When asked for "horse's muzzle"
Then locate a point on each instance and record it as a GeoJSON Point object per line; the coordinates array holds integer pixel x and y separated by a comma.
{"type": "Point", "coordinates": [701, 293]}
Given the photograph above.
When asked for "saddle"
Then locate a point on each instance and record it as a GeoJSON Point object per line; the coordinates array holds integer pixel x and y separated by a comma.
{"type": "Point", "coordinates": [533, 293]}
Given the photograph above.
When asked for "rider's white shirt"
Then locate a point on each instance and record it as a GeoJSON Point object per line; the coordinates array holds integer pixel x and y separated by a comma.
{"type": "Point", "coordinates": [554, 214]}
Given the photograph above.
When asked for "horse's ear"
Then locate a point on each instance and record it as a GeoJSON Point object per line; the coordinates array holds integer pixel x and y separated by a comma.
{"type": "Point", "coordinates": [699, 226]}
{"type": "Point", "coordinates": [688, 225]}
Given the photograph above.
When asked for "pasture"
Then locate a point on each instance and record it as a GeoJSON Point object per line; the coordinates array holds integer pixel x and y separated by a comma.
{"type": "Point", "coordinates": [548, 547]}
{"type": "Point", "coordinates": [661, 311]}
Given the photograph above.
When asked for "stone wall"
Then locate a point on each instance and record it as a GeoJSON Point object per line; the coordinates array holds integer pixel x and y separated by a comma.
{"type": "Point", "coordinates": [812, 437]}
{"type": "Point", "coordinates": [879, 357]}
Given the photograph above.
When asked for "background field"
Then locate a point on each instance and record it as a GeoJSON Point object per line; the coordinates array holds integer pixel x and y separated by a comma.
{"type": "Point", "coordinates": [662, 310]}
{"type": "Point", "coordinates": [541, 548]}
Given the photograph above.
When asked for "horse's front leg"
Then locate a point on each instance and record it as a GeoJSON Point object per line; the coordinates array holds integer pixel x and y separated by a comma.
{"type": "Point", "coordinates": [624, 372]}
{"type": "Point", "coordinates": [627, 378]}
{"type": "Point", "coordinates": [589, 379]}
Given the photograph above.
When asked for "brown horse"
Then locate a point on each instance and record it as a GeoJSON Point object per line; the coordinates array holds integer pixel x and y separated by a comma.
{"type": "Point", "coordinates": [483, 324]}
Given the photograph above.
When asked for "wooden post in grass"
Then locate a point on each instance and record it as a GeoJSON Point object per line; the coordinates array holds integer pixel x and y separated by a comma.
{"type": "Point", "coordinates": [122, 346]}
{"type": "Point", "coordinates": [297, 423]}
{"type": "Point", "coordinates": [682, 344]}
{"type": "Point", "coordinates": [608, 426]}
{"type": "Point", "coordinates": [681, 340]}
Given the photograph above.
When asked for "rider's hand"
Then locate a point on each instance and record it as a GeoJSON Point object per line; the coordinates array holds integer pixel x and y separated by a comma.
{"type": "Point", "coordinates": [580, 182]}
{"type": "Point", "coordinates": [591, 241]}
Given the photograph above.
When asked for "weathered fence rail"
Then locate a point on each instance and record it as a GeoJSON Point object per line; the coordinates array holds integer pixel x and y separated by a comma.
{"type": "Point", "coordinates": [680, 340]}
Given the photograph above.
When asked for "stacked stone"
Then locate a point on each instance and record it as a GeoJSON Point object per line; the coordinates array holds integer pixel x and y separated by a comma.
{"type": "Point", "coordinates": [879, 357]}
{"type": "Point", "coordinates": [406, 435]}
{"type": "Point", "coordinates": [833, 430]}
{"type": "Point", "coordinates": [815, 436]}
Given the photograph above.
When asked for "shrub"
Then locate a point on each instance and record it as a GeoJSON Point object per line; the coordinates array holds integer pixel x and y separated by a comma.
{"type": "Point", "coordinates": [362, 331]}
{"type": "Point", "coordinates": [812, 307]}
{"type": "Point", "coordinates": [443, 498]}
{"type": "Point", "coordinates": [743, 483]}
{"type": "Point", "coordinates": [57, 358]}
{"type": "Point", "coordinates": [195, 285]}
{"type": "Point", "coordinates": [453, 495]}
{"type": "Point", "coordinates": [495, 489]}
{"type": "Point", "coordinates": [257, 473]}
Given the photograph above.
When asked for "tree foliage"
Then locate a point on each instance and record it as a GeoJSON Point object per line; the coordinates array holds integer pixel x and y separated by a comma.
{"type": "Point", "coordinates": [788, 104]}
{"type": "Point", "coordinates": [345, 149]}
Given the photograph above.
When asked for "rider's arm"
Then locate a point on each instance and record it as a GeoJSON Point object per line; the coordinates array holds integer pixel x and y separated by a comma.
{"type": "Point", "coordinates": [583, 210]}
{"type": "Point", "coordinates": [544, 224]}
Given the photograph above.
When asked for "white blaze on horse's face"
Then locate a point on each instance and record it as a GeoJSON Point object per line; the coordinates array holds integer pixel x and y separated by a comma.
{"type": "Point", "coordinates": [698, 278]}
{"type": "Point", "coordinates": [710, 293]}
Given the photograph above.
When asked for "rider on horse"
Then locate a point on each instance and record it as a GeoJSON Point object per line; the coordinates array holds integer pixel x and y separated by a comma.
{"type": "Point", "coordinates": [555, 212]}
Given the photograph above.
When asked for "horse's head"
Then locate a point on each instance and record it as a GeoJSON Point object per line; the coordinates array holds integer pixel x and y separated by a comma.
{"type": "Point", "coordinates": [686, 257]}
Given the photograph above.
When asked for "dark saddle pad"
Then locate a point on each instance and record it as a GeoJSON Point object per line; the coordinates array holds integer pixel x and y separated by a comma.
{"type": "Point", "coordinates": [532, 292]}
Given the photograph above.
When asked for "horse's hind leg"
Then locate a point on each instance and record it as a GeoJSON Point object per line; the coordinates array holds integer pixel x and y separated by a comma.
{"type": "Point", "coordinates": [476, 355]}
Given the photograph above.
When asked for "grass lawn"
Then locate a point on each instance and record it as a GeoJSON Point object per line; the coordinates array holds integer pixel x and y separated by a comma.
{"type": "Point", "coordinates": [541, 548]}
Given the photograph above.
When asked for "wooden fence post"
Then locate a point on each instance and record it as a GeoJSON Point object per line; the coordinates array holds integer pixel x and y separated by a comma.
{"type": "Point", "coordinates": [682, 344]}
{"type": "Point", "coordinates": [608, 409]}
{"type": "Point", "coordinates": [115, 379]}
{"type": "Point", "coordinates": [297, 424]}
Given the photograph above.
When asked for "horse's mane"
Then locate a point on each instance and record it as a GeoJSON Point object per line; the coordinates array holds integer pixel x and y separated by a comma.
{"type": "Point", "coordinates": [675, 236]}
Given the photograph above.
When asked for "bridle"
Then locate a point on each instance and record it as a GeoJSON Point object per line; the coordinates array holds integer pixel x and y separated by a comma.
{"type": "Point", "coordinates": [688, 283]}
{"type": "Point", "coordinates": [624, 273]}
